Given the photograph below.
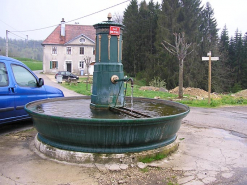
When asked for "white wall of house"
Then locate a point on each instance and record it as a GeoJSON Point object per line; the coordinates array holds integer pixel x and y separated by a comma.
{"type": "Point", "coordinates": [64, 60]}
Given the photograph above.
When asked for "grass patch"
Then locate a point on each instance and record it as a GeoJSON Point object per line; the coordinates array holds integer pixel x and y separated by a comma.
{"type": "Point", "coordinates": [171, 183]}
{"type": "Point", "coordinates": [80, 88]}
{"type": "Point", "coordinates": [145, 170]}
{"type": "Point", "coordinates": [27, 130]}
{"type": "Point", "coordinates": [150, 159]}
{"type": "Point", "coordinates": [223, 101]}
{"type": "Point", "coordinates": [189, 100]}
{"type": "Point", "coordinates": [148, 94]}
{"type": "Point", "coordinates": [32, 64]}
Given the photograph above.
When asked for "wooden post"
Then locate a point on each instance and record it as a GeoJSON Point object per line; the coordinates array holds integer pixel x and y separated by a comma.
{"type": "Point", "coordinates": [209, 58]}
{"type": "Point", "coordinates": [209, 77]}
{"type": "Point", "coordinates": [7, 44]}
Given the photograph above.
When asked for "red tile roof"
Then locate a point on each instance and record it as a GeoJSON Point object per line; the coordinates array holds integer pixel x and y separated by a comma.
{"type": "Point", "coordinates": [71, 32]}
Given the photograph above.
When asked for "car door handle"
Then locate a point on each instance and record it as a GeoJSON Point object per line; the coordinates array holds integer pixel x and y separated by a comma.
{"type": "Point", "coordinates": [12, 89]}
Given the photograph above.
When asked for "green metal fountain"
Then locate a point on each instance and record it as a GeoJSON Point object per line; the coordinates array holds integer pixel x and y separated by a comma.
{"type": "Point", "coordinates": [108, 68]}
{"type": "Point", "coordinates": [103, 123]}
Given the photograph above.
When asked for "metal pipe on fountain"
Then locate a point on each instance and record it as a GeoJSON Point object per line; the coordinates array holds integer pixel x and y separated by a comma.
{"type": "Point", "coordinates": [115, 79]}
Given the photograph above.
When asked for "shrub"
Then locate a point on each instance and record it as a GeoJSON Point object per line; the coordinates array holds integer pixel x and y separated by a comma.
{"type": "Point", "coordinates": [157, 82]}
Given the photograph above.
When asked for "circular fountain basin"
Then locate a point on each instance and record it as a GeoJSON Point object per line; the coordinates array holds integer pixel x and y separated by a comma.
{"type": "Point", "coordinates": [70, 124]}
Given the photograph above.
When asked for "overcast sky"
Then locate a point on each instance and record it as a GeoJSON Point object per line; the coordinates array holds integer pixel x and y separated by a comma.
{"type": "Point", "coordinates": [22, 15]}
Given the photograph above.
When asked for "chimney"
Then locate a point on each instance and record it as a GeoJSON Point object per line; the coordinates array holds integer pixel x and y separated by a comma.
{"type": "Point", "coordinates": [63, 28]}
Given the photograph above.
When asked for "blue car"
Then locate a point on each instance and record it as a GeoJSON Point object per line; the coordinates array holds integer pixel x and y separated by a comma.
{"type": "Point", "coordinates": [19, 86]}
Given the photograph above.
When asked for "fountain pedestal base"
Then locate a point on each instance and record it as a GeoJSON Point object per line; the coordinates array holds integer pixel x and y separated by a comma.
{"type": "Point", "coordinates": [87, 158]}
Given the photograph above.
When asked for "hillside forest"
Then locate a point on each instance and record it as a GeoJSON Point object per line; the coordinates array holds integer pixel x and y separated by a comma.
{"type": "Point", "coordinates": [147, 25]}
{"type": "Point", "coordinates": [22, 48]}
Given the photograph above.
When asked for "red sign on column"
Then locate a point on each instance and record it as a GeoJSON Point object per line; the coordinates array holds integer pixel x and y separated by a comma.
{"type": "Point", "coordinates": [114, 30]}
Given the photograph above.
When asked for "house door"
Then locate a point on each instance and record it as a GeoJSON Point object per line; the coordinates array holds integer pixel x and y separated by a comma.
{"type": "Point", "coordinates": [68, 67]}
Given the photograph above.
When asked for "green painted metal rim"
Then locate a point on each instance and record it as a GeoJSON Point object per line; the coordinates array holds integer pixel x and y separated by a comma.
{"type": "Point", "coordinates": [113, 150]}
{"type": "Point", "coordinates": [93, 121]}
{"type": "Point", "coordinates": [107, 24]}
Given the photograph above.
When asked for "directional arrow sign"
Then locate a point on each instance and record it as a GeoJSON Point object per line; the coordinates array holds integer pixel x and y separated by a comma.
{"type": "Point", "coordinates": [212, 58]}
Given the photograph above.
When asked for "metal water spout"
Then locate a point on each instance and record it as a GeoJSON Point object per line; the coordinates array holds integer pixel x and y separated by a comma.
{"type": "Point", "coordinates": [131, 81]}
{"type": "Point", "coordinates": [115, 79]}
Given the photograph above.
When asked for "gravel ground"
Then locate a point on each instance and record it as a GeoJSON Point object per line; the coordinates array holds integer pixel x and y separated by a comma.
{"type": "Point", "coordinates": [134, 175]}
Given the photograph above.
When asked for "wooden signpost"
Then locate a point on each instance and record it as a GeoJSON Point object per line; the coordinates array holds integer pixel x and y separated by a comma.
{"type": "Point", "coordinates": [209, 59]}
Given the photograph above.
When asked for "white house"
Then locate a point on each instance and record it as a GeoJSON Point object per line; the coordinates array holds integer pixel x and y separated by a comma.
{"type": "Point", "coordinates": [67, 47]}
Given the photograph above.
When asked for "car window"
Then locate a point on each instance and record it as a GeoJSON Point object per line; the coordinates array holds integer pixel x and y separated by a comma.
{"type": "Point", "coordinates": [4, 81]}
{"type": "Point", "coordinates": [63, 73]}
{"type": "Point", "coordinates": [23, 77]}
{"type": "Point", "coordinates": [68, 73]}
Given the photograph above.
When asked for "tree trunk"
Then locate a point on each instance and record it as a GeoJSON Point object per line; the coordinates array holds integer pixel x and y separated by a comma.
{"type": "Point", "coordinates": [181, 68]}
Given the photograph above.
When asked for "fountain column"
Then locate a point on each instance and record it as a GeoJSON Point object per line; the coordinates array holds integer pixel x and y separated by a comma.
{"type": "Point", "coordinates": [108, 67]}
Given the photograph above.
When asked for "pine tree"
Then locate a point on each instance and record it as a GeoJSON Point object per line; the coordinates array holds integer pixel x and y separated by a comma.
{"type": "Point", "coordinates": [223, 71]}
{"type": "Point", "coordinates": [139, 39]}
{"type": "Point", "coordinates": [147, 29]}
{"type": "Point", "coordinates": [244, 64]}
{"type": "Point", "coordinates": [238, 56]}
{"type": "Point", "coordinates": [236, 60]}
{"type": "Point", "coordinates": [166, 64]}
{"type": "Point", "coordinates": [190, 18]}
{"type": "Point", "coordinates": [143, 35]}
{"type": "Point", "coordinates": [224, 40]}
{"type": "Point", "coordinates": [207, 41]}
{"type": "Point", "coordinates": [130, 38]}
{"type": "Point", "coordinates": [150, 65]}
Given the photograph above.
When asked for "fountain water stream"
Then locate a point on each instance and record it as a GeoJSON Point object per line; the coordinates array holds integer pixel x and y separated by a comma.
{"type": "Point", "coordinates": [131, 101]}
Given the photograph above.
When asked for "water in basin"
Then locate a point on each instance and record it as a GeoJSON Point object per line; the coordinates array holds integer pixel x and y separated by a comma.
{"type": "Point", "coordinates": [81, 109]}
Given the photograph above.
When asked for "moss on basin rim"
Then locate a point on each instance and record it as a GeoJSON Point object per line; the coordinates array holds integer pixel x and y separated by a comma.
{"type": "Point", "coordinates": [107, 135]}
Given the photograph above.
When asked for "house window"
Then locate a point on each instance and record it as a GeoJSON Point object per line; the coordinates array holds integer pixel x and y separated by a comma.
{"type": "Point", "coordinates": [54, 50]}
{"type": "Point", "coordinates": [81, 64]}
{"type": "Point", "coordinates": [82, 40]}
{"type": "Point", "coordinates": [68, 50]}
{"type": "Point", "coordinates": [81, 50]}
{"type": "Point", "coordinates": [53, 64]}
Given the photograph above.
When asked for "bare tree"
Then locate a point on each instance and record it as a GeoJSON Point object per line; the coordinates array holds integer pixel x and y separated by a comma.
{"type": "Point", "coordinates": [180, 50]}
{"type": "Point", "coordinates": [117, 17]}
{"type": "Point", "coordinates": [87, 62]}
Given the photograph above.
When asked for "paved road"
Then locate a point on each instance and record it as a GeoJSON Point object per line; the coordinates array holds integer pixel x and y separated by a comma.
{"type": "Point", "coordinates": [228, 118]}
{"type": "Point", "coordinates": [51, 81]}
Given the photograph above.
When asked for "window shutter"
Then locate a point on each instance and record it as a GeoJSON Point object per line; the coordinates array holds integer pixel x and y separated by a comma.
{"type": "Point", "coordinates": [50, 64]}
{"type": "Point", "coordinates": [56, 64]}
